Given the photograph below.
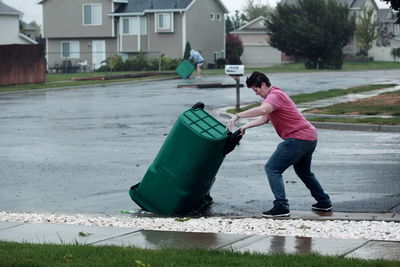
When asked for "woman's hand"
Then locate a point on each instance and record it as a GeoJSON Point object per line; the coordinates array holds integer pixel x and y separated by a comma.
{"type": "Point", "coordinates": [231, 122]}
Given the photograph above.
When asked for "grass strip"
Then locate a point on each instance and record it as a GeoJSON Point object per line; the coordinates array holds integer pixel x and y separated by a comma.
{"type": "Point", "coordinates": [15, 254]}
{"type": "Point", "coordinates": [299, 67]}
{"type": "Point", "coordinates": [54, 80]}
{"type": "Point", "coordinates": [65, 80]}
{"type": "Point", "coordinates": [384, 104]}
{"type": "Point", "coordinates": [374, 120]}
{"type": "Point", "coordinates": [301, 98]}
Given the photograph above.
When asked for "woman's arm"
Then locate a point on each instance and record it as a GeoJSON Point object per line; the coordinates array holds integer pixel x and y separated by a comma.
{"type": "Point", "coordinates": [263, 110]}
{"type": "Point", "coordinates": [257, 122]}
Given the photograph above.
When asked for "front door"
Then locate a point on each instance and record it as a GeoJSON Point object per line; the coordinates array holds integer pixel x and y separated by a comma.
{"type": "Point", "coordinates": [99, 53]}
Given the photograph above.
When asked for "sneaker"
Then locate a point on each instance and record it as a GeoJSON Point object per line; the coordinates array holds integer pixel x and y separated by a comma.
{"type": "Point", "coordinates": [276, 212]}
{"type": "Point", "coordinates": [323, 207]}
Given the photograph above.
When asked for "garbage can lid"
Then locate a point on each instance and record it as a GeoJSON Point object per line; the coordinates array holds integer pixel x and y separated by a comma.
{"type": "Point", "coordinates": [204, 124]}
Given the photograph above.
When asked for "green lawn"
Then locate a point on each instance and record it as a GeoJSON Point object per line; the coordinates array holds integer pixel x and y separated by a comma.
{"type": "Point", "coordinates": [385, 105]}
{"type": "Point", "coordinates": [299, 67]}
{"type": "Point", "coordinates": [54, 80]}
{"type": "Point", "coordinates": [61, 80]}
{"type": "Point", "coordinates": [378, 121]}
{"type": "Point", "coordinates": [301, 98]}
{"type": "Point", "coordinates": [14, 254]}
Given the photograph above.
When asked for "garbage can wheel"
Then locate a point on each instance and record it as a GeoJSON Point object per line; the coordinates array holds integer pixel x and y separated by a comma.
{"type": "Point", "coordinates": [198, 105]}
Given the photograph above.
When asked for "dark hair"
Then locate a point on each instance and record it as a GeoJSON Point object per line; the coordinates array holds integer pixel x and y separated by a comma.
{"type": "Point", "coordinates": [256, 79]}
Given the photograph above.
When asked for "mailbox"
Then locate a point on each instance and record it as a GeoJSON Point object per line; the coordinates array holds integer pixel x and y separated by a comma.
{"type": "Point", "coordinates": [234, 69]}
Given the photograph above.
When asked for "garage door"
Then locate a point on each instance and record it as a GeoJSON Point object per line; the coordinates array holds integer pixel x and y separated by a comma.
{"type": "Point", "coordinates": [260, 55]}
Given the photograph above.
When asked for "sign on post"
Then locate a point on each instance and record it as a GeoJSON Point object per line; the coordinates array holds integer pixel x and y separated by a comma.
{"type": "Point", "coordinates": [235, 71]}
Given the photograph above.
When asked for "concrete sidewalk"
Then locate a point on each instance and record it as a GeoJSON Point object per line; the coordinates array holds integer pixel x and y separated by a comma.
{"type": "Point", "coordinates": [149, 239]}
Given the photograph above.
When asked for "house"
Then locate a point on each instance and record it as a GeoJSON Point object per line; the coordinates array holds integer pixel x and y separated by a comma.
{"type": "Point", "coordinates": [9, 27]}
{"type": "Point", "coordinates": [257, 52]}
{"type": "Point", "coordinates": [31, 31]}
{"type": "Point", "coordinates": [92, 30]}
{"type": "Point", "coordinates": [388, 31]}
{"type": "Point", "coordinates": [388, 36]}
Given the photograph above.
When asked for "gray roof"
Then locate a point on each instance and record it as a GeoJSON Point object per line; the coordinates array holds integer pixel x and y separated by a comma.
{"type": "Point", "coordinates": [7, 10]}
{"type": "Point", "coordinates": [386, 15]}
{"type": "Point", "coordinates": [349, 3]}
{"type": "Point", "coordinates": [142, 6]}
{"type": "Point", "coordinates": [358, 3]}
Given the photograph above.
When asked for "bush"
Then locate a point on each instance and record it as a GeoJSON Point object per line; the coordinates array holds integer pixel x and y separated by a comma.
{"type": "Point", "coordinates": [234, 60]}
{"type": "Point", "coordinates": [138, 63]}
{"type": "Point", "coordinates": [234, 46]}
{"type": "Point", "coordinates": [395, 53]}
{"type": "Point", "coordinates": [167, 63]}
{"type": "Point", "coordinates": [186, 54]}
{"type": "Point", "coordinates": [114, 63]}
{"type": "Point", "coordinates": [221, 62]}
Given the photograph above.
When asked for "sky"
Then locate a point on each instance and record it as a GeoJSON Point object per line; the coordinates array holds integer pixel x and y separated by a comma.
{"type": "Point", "coordinates": [33, 12]}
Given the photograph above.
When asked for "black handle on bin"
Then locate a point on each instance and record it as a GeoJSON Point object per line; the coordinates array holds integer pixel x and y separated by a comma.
{"type": "Point", "coordinates": [198, 105]}
{"type": "Point", "coordinates": [233, 141]}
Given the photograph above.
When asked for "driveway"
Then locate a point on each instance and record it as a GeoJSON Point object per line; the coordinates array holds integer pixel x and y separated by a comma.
{"type": "Point", "coordinates": [79, 150]}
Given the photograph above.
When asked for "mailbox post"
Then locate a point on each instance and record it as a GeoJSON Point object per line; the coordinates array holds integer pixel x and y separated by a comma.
{"type": "Point", "coordinates": [235, 71]}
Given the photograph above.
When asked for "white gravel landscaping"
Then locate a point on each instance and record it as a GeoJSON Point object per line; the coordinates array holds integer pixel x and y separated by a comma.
{"type": "Point", "coordinates": [341, 229]}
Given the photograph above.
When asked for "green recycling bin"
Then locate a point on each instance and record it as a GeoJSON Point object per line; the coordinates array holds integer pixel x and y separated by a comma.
{"type": "Point", "coordinates": [180, 178]}
{"type": "Point", "coordinates": [185, 69]}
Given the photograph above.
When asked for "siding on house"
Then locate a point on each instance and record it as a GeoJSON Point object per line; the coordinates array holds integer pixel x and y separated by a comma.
{"type": "Point", "coordinates": [169, 43]}
{"type": "Point", "coordinates": [257, 52]}
{"type": "Point", "coordinates": [205, 34]}
{"type": "Point", "coordinates": [9, 27]}
{"type": "Point", "coordinates": [85, 50]}
{"type": "Point", "coordinates": [64, 19]}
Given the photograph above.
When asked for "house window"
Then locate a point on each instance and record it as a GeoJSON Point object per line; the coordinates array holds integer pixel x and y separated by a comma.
{"type": "Point", "coordinates": [212, 16]}
{"type": "Point", "coordinates": [70, 49]}
{"type": "Point", "coordinates": [219, 16]}
{"type": "Point", "coordinates": [124, 56]}
{"type": "Point", "coordinates": [92, 14]}
{"type": "Point", "coordinates": [143, 25]}
{"type": "Point", "coordinates": [131, 26]}
{"type": "Point", "coordinates": [164, 21]}
{"type": "Point", "coordinates": [217, 55]}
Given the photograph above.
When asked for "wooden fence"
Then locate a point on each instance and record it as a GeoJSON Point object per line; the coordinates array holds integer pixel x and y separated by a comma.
{"type": "Point", "coordinates": [20, 64]}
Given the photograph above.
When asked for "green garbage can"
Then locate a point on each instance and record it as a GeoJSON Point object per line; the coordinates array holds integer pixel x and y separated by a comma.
{"type": "Point", "coordinates": [180, 178]}
{"type": "Point", "coordinates": [185, 69]}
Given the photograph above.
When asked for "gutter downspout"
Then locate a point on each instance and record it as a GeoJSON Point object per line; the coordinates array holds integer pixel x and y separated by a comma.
{"type": "Point", "coordinates": [183, 32]}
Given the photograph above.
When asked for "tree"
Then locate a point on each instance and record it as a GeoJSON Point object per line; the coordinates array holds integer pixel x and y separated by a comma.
{"type": "Point", "coordinates": [234, 49]}
{"type": "Point", "coordinates": [234, 22]}
{"type": "Point", "coordinates": [228, 24]}
{"type": "Point", "coordinates": [33, 23]}
{"type": "Point", "coordinates": [254, 10]}
{"type": "Point", "coordinates": [366, 30]}
{"type": "Point", "coordinates": [312, 29]}
{"type": "Point", "coordinates": [186, 55]}
{"type": "Point", "coordinates": [395, 5]}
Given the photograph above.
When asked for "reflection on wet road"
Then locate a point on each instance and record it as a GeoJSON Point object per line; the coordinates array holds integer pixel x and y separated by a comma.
{"type": "Point", "coordinates": [80, 150]}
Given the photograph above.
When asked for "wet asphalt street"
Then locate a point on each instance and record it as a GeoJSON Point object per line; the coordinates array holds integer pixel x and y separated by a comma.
{"type": "Point", "coordinates": [79, 150]}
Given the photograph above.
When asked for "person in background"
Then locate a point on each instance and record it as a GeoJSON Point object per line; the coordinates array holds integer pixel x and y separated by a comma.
{"type": "Point", "coordinates": [197, 59]}
{"type": "Point", "coordinates": [300, 141]}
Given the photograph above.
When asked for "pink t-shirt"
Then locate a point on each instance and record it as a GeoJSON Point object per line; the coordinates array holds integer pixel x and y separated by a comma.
{"type": "Point", "coordinates": [287, 119]}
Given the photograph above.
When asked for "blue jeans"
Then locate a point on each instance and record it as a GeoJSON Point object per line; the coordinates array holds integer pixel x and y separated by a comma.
{"type": "Point", "coordinates": [299, 154]}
